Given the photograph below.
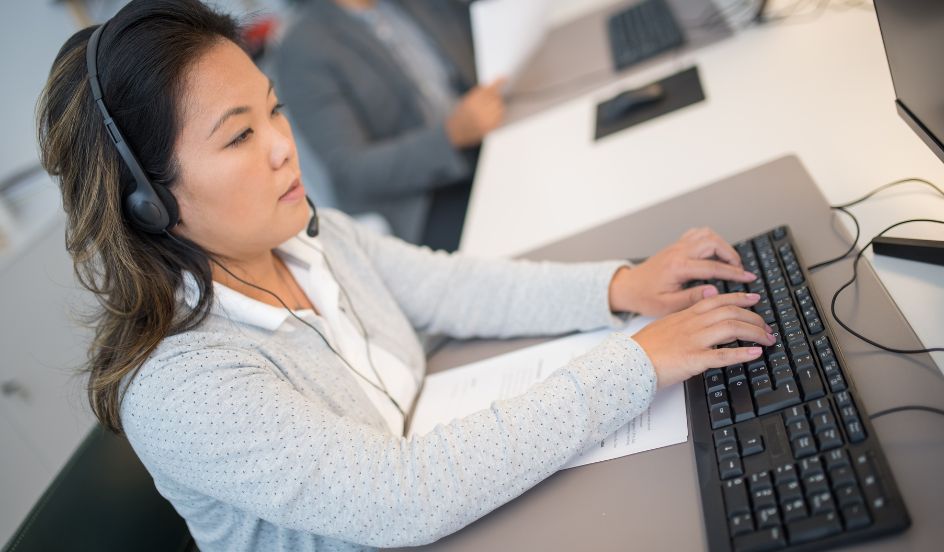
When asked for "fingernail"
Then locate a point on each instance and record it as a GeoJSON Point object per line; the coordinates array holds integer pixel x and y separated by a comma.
{"type": "Point", "coordinates": [755, 351]}
{"type": "Point", "coordinates": [770, 337]}
{"type": "Point", "coordinates": [769, 329]}
{"type": "Point", "coordinates": [753, 296]}
{"type": "Point", "coordinates": [710, 291]}
{"type": "Point", "coordinates": [749, 274]}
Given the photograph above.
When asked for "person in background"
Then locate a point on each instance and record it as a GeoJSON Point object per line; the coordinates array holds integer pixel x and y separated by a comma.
{"type": "Point", "coordinates": [384, 91]}
{"type": "Point", "coordinates": [263, 371]}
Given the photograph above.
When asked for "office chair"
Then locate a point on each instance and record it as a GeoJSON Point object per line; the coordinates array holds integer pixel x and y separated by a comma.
{"type": "Point", "coordinates": [103, 499]}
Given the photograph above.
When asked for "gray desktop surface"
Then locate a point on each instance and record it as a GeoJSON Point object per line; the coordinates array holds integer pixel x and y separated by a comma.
{"type": "Point", "coordinates": [575, 57]}
{"type": "Point", "coordinates": [650, 501]}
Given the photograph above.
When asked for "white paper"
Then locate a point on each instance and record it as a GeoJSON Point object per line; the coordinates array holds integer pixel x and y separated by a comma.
{"type": "Point", "coordinates": [505, 33]}
{"type": "Point", "coordinates": [467, 389]}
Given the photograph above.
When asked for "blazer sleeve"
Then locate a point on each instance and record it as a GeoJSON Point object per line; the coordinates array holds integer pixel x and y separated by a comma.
{"type": "Point", "coordinates": [320, 105]}
{"type": "Point", "coordinates": [463, 296]}
{"type": "Point", "coordinates": [220, 422]}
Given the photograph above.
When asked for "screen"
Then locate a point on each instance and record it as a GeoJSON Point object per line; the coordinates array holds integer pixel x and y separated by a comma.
{"type": "Point", "coordinates": [913, 32]}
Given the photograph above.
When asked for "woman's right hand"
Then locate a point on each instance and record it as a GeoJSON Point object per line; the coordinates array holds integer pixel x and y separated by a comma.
{"type": "Point", "coordinates": [681, 345]}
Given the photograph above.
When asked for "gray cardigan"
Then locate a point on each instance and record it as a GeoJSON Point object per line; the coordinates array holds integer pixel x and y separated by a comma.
{"type": "Point", "coordinates": [264, 440]}
{"type": "Point", "coordinates": [354, 105]}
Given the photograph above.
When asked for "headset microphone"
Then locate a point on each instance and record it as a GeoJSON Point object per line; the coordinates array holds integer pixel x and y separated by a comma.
{"type": "Point", "coordinates": [312, 230]}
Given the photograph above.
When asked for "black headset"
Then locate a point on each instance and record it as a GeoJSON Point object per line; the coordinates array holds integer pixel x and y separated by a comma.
{"type": "Point", "coordinates": [150, 208]}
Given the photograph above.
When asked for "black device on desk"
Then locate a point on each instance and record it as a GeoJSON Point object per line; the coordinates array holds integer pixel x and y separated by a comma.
{"type": "Point", "coordinates": [785, 453]}
{"type": "Point", "coordinates": [913, 33]}
{"type": "Point", "coordinates": [642, 31]}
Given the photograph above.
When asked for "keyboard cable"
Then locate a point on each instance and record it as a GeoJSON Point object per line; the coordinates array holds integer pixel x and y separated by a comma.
{"type": "Point", "coordinates": [855, 266]}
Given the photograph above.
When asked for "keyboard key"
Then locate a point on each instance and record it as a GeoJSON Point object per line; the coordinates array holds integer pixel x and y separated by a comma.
{"type": "Point", "coordinates": [855, 432]}
{"type": "Point", "coordinates": [735, 372]}
{"type": "Point", "coordinates": [717, 398]}
{"type": "Point", "coordinates": [735, 498]}
{"type": "Point", "coordinates": [760, 480]}
{"type": "Point", "coordinates": [785, 473]}
{"type": "Point", "coordinates": [714, 382]}
{"type": "Point", "coordinates": [763, 498]}
{"type": "Point", "coordinates": [811, 466]}
{"type": "Point", "coordinates": [784, 396]}
{"type": "Point", "coordinates": [842, 476]}
{"type": "Point", "coordinates": [815, 484]}
{"type": "Point", "coordinates": [720, 417]}
{"type": "Point", "coordinates": [741, 524]}
{"type": "Point", "coordinates": [731, 468]}
{"type": "Point", "coordinates": [726, 452]}
{"type": "Point", "coordinates": [789, 491]}
{"type": "Point", "coordinates": [813, 528]}
{"type": "Point", "coordinates": [794, 510]}
{"type": "Point", "coordinates": [821, 503]}
{"type": "Point", "coordinates": [761, 541]}
{"type": "Point", "coordinates": [856, 517]}
{"type": "Point", "coordinates": [847, 496]}
{"type": "Point", "coordinates": [843, 399]}
{"type": "Point", "coordinates": [818, 407]}
{"type": "Point", "coordinates": [778, 360]}
{"type": "Point", "coordinates": [803, 447]}
{"type": "Point", "coordinates": [829, 440]}
{"type": "Point", "coordinates": [725, 436]}
{"type": "Point", "coordinates": [811, 386]}
{"type": "Point", "coordinates": [799, 428]}
{"type": "Point", "coordinates": [837, 459]}
{"type": "Point", "coordinates": [823, 421]}
{"type": "Point", "coordinates": [767, 518]}
{"type": "Point", "coordinates": [761, 386]}
{"type": "Point", "coordinates": [741, 403]}
{"type": "Point", "coordinates": [848, 414]}
{"type": "Point", "coordinates": [753, 445]}
{"type": "Point", "coordinates": [837, 383]}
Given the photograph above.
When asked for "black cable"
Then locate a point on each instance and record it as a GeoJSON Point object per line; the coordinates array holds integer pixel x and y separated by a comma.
{"type": "Point", "coordinates": [382, 389]}
{"type": "Point", "coordinates": [855, 274]}
{"type": "Point", "coordinates": [844, 206]}
{"type": "Point", "coordinates": [893, 410]}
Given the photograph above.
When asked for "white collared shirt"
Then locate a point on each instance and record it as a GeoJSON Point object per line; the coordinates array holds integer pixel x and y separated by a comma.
{"type": "Point", "coordinates": [305, 259]}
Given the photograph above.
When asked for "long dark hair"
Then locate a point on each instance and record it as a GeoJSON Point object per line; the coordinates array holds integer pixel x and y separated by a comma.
{"type": "Point", "coordinates": [144, 55]}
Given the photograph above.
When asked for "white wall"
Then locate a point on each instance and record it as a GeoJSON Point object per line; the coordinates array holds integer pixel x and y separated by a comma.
{"type": "Point", "coordinates": [31, 32]}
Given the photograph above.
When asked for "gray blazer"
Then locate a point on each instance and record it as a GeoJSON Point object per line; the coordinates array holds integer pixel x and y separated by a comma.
{"type": "Point", "coordinates": [357, 109]}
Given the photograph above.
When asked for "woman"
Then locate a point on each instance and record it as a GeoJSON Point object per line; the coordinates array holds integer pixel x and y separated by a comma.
{"type": "Point", "coordinates": [263, 376]}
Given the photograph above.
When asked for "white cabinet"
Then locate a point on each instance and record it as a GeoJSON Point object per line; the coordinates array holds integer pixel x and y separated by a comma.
{"type": "Point", "coordinates": [42, 399]}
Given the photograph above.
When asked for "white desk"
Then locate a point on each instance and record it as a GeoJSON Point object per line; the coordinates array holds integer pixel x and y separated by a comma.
{"type": "Point", "coordinates": [820, 89]}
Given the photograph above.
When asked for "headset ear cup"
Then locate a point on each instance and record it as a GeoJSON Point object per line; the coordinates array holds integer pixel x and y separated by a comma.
{"type": "Point", "coordinates": [170, 204]}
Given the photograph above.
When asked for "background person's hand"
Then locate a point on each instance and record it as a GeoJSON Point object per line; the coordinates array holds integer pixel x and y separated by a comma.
{"type": "Point", "coordinates": [656, 286]}
{"type": "Point", "coordinates": [680, 345]}
{"type": "Point", "coordinates": [478, 112]}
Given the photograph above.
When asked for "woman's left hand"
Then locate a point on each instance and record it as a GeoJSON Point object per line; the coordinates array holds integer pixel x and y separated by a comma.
{"type": "Point", "coordinates": [656, 287]}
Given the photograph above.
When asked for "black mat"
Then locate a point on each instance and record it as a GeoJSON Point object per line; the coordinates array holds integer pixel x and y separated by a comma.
{"type": "Point", "coordinates": [681, 90]}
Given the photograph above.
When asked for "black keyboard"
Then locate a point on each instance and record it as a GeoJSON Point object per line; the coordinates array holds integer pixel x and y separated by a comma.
{"type": "Point", "coordinates": [642, 31]}
{"type": "Point", "coordinates": [786, 456]}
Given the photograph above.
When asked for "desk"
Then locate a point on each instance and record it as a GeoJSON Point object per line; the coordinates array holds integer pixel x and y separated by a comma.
{"type": "Point", "coordinates": [650, 501]}
{"type": "Point", "coordinates": [819, 89]}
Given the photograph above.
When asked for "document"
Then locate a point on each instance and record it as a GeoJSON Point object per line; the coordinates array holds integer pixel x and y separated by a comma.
{"type": "Point", "coordinates": [467, 389]}
{"type": "Point", "coordinates": [505, 33]}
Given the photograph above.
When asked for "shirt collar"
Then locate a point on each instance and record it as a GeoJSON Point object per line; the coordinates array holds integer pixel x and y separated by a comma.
{"type": "Point", "coordinates": [235, 306]}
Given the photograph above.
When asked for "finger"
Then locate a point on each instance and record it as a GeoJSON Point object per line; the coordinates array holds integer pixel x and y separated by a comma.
{"type": "Point", "coordinates": [702, 269]}
{"type": "Point", "coordinates": [737, 299]}
{"type": "Point", "coordinates": [685, 298]}
{"type": "Point", "coordinates": [732, 312]}
{"type": "Point", "coordinates": [714, 245]}
{"type": "Point", "coordinates": [726, 356]}
{"type": "Point", "coordinates": [498, 83]}
{"type": "Point", "coordinates": [728, 330]}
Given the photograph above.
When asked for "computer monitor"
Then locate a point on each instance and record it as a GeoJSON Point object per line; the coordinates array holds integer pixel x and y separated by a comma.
{"type": "Point", "coordinates": [913, 33]}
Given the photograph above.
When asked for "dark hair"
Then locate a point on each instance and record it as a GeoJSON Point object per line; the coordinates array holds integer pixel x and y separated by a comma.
{"type": "Point", "coordinates": [144, 55]}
